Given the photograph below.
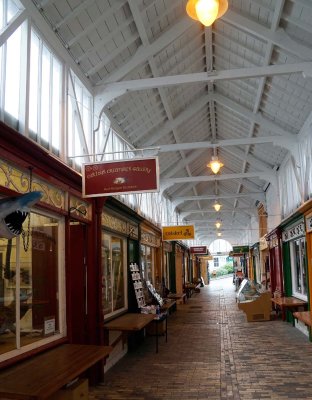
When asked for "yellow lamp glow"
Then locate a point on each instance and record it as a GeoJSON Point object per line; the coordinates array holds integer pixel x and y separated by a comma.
{"type": "Point", "coordinates": [206, 11]}
{"type": "Point", "coordinates": [215, 164]}
{"type": "Point", "coordinates": [219, 234]}
{"type": "Point", "coordinates": [218, 224]}
{"type": "Point", "coordinates": [217, 206]}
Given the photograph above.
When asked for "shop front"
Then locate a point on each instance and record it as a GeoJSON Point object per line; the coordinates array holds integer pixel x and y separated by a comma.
{"type": "Point", "coordinates": [264, 263]}
{"type": "Point", "coordinates": [119, 248]}
{"type": "Point", "coordinates": [274, 239]}
{"type": "Point", "coordinates": [45, 257]}
{"type": "Point", "coordinates": [150, 254]}
{"type": "Point", "coordinates": [295, 263]}
{"type": "Point", "coordinates": [165, 276]}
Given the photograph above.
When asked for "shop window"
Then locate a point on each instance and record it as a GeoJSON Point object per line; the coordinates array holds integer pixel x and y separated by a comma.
{"type": "Point", "coordinates": [166, 271]}
{"type": "Point", "coordinates": [299, 268]}
{"type": "Point", "coordinates": [30, 287]}
{"type": "Point", "coordinates": [216, 262]}
{"type": "Point", "coordinates": [114, 293]}
{"type": "Point", "coordinates": [147, 258]}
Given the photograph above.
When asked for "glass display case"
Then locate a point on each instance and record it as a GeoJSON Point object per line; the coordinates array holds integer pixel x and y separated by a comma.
{"type": "Point", "coordinates": [248, 291]}
{"type": "Point", "coordinates": [255, 302]}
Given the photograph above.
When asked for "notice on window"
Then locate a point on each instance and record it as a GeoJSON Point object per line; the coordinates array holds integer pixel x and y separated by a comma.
{"type": "Point", "coordinates": [49, 326]}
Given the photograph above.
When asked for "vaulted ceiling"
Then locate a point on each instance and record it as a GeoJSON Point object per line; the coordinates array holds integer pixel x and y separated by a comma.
{"type": "Point", "coordinates": [241, 90]}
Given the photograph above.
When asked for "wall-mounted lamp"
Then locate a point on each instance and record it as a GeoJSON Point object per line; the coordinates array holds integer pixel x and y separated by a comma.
{"type": "Point", "coordinates": [215, 164]}
{"type": "Point", "coordinates": [206, 11]}
{"type": "Point", "coordinates": [217, 206]}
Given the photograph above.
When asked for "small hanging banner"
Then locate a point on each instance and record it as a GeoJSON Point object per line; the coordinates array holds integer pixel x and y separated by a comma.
{"type": "Point", "coordinates": [198, 250]}
{"type": "Point", "coordinates": [106, 178]}
{"type": "Point", "coordinates": [179, 232]}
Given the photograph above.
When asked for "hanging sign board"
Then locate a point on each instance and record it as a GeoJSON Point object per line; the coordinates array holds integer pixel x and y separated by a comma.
{"type": "Point", "coordinates": [198, 250]}
{"type": "Point", "coordinates": [138, 175]}
{"type": "Point", "coordinates": [239, 250]}
{"type": "Point", "coordinates": [179, 232]}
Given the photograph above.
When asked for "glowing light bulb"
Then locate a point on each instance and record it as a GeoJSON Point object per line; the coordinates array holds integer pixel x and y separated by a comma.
{"type": "Point", "coordinates": [215, 164]}
{"type": "Point", "coordinates": [217, 206]}
{"type": "Point", "coordinates": [207, 11]}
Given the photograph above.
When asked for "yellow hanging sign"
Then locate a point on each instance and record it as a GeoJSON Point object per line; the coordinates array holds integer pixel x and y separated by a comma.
{"type": "Point", "coordinates": [179, 232]}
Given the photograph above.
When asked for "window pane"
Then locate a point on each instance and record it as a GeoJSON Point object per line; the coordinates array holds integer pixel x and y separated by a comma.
{"type": "Point", "coordinates": [113, 275]}
{"type": "Point", "coordinates": [303, 267]}
{"type": "Point", "coordinates": [147, 263]}
{"type": "Point", "coordinates": [107, 303]}
{"type": "Point", "coordinates": [56, 104]}
{"type": "Point", "coordinates": [12, 82]}
{"type": "Point", "coordinates": [35, 273]}
{"type": "Point", "coordinates": [45, 95]}
{"type": "Point", "coordinates": [33, 86]}
{"type": "Point", "coordinates": [118, 274]}
{"type": "Point", "coordinates": [7, 294]}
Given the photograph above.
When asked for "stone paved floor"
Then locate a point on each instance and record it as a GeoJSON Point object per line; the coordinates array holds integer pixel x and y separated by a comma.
{"type": "Point", "coordinates": [213, 353]}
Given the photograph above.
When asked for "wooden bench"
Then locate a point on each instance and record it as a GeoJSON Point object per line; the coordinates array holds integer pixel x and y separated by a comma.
{"type": "Point", "coordinates": [44, 374]}
{"type": "Point", "coordinates": [291, 304]}
{"type": "Point", "coordinates": [304, 316]}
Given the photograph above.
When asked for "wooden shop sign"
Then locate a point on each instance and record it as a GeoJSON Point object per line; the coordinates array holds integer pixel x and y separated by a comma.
{"type": "Point", "coordinates": [179, 232]}
{"type": "Point", "coordinates": [138, 175]}
{"type": "Point", "coordinates": [198, 250]}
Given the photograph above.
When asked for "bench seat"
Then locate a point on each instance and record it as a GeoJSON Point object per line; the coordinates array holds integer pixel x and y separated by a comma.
{"type": "Point", "coordinates": [304, 316]}
{"type": "Point", "coordinates": [44, 374]}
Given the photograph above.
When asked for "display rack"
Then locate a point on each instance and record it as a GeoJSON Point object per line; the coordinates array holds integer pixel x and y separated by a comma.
{"type": "Point", "coordinates": [154, 293]}
{"type": "Point", "coordinates": [137, 284]}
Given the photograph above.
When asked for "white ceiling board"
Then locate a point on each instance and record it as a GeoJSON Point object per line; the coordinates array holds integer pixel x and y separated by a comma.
{"type": "Point", "coordinates": [236, 89]}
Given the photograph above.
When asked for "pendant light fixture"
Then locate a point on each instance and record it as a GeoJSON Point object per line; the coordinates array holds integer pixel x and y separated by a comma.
{"type": "Point", "coordinates": [217, 206]}
{"type": "Point", "coordinates": [219, 234]}
{"type": "Point", "coordinates": [206, 11]}
{"type": "Point", "coordinates": [218, 224]}
{"type": "Point", "coordinates": [215, 164]}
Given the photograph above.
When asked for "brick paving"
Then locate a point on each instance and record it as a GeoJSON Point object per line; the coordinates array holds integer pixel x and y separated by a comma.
{"type": "Point", "coordinates": [214, 353]}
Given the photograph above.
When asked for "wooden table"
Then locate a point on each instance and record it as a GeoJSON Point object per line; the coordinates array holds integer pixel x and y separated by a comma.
{"type": "Point", "coordinates": [168, 305]}
{"type": "Point", "coordinates": [288, 303]}
{"type": "Point", "coordinates": [133, 322]}
{"type": "Point", "coordinates": [42, 375]}
{"type": "Point", "coordinates": [177, 296]}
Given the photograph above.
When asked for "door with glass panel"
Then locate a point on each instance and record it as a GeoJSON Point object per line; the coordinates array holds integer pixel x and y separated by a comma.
{"type": "Point", "coordinates": [114, 285]}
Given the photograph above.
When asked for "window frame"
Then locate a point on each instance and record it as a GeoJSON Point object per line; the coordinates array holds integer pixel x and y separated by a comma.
{"type": "Point", "coordinates": [303, 265]}
{"type": "Point", "coordinates": [125, 274]}
{"type": "Point", "coordinates": [61, 294]}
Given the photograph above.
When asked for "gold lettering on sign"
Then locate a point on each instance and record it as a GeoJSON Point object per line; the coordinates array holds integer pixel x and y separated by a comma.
{"type": "Point", "coordinates": [133, 231]}
{"type": "Point", "coordinates": [113, 223]}
{"type": "Point", "coordinates": [294, 232]}
{"type": "Point", "coordinates": [150, 239]}
{"type": "Point", "coordinates": [15, 179]}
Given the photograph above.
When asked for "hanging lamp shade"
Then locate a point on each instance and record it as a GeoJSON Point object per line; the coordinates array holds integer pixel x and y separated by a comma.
{"type": "Point", "coordinates": [218, 224]}
{"type": "Point", "coordinates": [219, 234]}
{"type": "Point", "coordinates": [217, 206]}
{"type": "Point", "coordinates": [206, 11]}
{"type": "Point", "coordinates": [215, 164]}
